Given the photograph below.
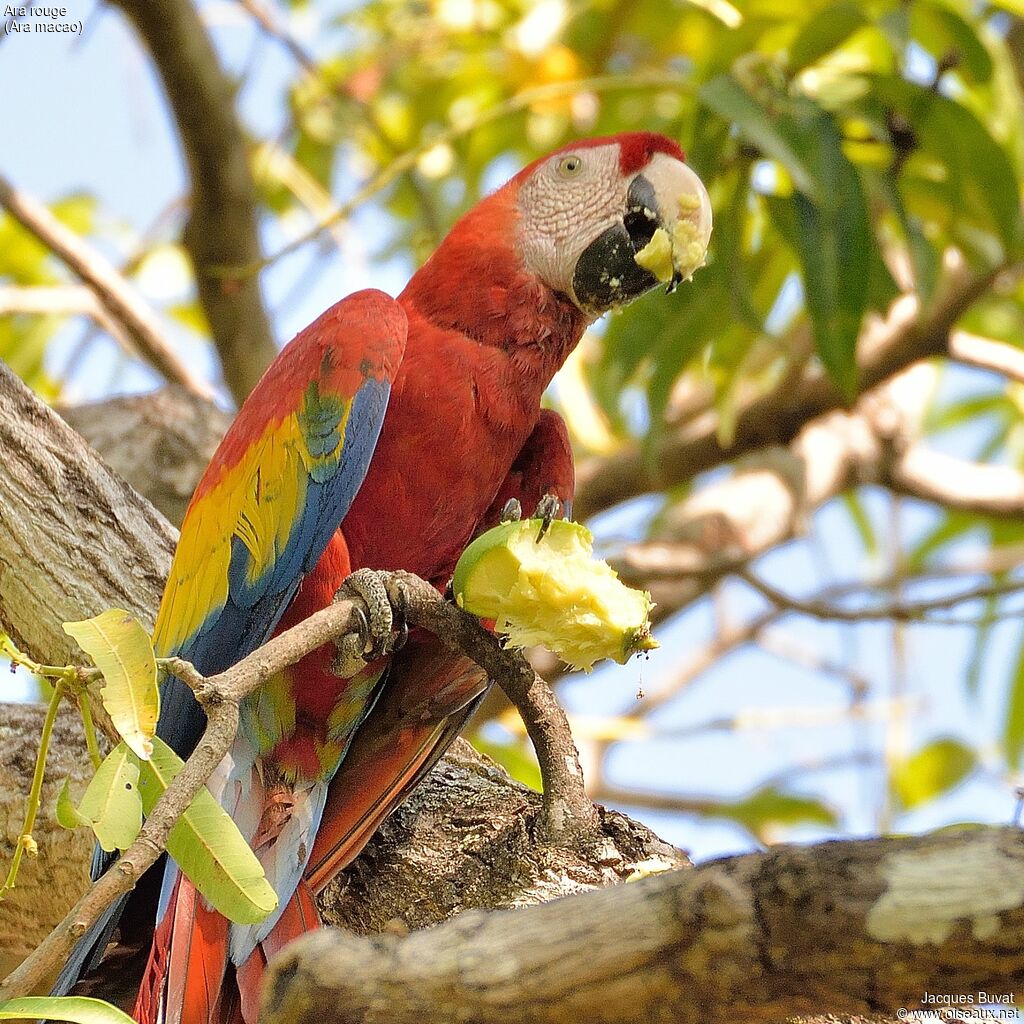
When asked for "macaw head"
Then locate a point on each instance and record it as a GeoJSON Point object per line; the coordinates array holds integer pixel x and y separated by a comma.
{"type": "Point", "coordinates": [579, 232]}
{"type": "Point", "coordinates": [604, 220]}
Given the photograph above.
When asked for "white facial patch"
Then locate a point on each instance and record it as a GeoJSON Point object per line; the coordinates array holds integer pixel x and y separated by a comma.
{"type": "Point", "coordinates": [561, 211]}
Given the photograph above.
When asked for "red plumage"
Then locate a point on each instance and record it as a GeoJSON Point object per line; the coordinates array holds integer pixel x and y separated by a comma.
{"type": "Point", "coordinates": [463, 433]}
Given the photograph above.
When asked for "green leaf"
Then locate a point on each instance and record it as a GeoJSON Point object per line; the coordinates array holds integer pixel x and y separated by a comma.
{"type": "Point", "coordinates": [772, 134]}
{"type": "Point", "coordinates": [207, 846]}
{"type": "Point", "coordinates": [822, 33]}
{"type": "Point", "coordinates": [1013, 726]}
{"type": "Point", "coordinates": [941, 31]}
{"type": "Point", "coordinates": [834, 240]}
{"type": "Point", "coordinates": [769, 806]}
{"type": "Point", "coordinates": [68, 815]}
{"type": "Point", "coordinates": [76, 1009]}
{"type": "Point", "coordinates": [112, 805]}
{"type": "Point", "coordinates": [831, 229]}
{"type": "Point", "coordinates": [861, 520]}
{"type": "Point", "coordinates": [123, 652]}
{"type": "Point", "coordinates": [935, 769]}
{"type": "Point", "coordinates": [977, 188]}
{"type": "Point", "coordinates": [951, 528]}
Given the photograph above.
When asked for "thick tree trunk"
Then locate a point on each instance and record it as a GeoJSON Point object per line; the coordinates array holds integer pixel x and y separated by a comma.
{"type": "Point", "coordinates": [849, 927]}
{"type": "Point", "coordinates": [159, 442]}
{"type": "Point", "coordinates": [75, 539]}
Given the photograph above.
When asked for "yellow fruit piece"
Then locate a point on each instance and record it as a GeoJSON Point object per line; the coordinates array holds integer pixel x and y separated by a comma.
{"type": "Point", "coordinates": [682, 252]}
{"type": "Point", "coordinates": [656, 256]}
{"type": "Point", "coordinates": [553, 592]}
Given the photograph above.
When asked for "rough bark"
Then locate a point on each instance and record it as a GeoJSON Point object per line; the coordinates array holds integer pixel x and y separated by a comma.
{"type": "Point", "coordinates": [75, 539]}
{"type": "Point", "coordinates": [848, 927]}
{"type": "Point", "coordinates": [466, 839]}
{"type": "Point", "coordinates": [159, 442]}
{"type": "Point", "coordinates": [51, 882]}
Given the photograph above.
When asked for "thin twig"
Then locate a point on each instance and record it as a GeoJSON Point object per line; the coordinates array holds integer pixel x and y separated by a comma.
{"type": "Point", "coordinates": [89, 728]}
{"type": "Point", "coordinates": [987, 354]}
{"type": "Point", "coordinates": [26, 844]}
{"type": "Point", "coordinates": [116, 295]}
{"type": "Point", "coordinates": [566, 806]}
{"type": "Point", "coordinates": [898, 611]}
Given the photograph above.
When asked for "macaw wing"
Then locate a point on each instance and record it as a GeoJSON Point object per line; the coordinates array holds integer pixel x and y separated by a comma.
{"type": "Point", "coordinates": [430, 695]}
{"type": "Point", "coordinates": [275, 492]}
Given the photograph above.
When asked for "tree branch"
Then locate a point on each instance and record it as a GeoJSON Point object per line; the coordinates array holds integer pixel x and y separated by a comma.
{"type": "Point", "coordinates": [989, 490]}
{"type": "Point", "coordinates": [117, 296]}
{"type": "Point", "coordinates": [887, 346]}
{"type": "Point", "coordinates": [159, 442]}
{"type": "Point", "coordinates": [75, 539]}
{"type": "Point", "coordinates": [896, 611]}
{"type": "Point", "coordinates": [221, 234]}
{"type": "Point", "coordinates": [568, 812]}
{"type": "Point", "coordinates": [859, 927]}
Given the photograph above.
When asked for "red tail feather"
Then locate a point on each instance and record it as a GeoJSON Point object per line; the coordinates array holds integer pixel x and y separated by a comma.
{"type": "Point", "coordinates": [186, 964]}
{"type": "Point", "coordinates": [429, 696]}
{"type": "Point", "coordinates": [300, 916]}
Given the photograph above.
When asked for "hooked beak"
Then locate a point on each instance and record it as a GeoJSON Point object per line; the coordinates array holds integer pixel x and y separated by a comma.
{"type": "Point", "coordinates": [662, 237]}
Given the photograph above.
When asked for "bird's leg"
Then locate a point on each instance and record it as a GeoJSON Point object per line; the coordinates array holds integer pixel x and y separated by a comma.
{"type": "Point", "coordinates": [386, 601]}
{"type": "Point", "coordinates": [548, 509]}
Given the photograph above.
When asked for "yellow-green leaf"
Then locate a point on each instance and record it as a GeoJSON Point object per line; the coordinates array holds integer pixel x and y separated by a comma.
{"type": "Point", "coordinates": [68, 815]}
{"type": "Point", "coordinates": [207, 846]}
{"type": "Point", "coordinates": [77, 1009]}
{"type": "Point", "coordinates": [112, 805]}
{"type": "Point", "coordinates": [123, 652]}
{"type": "Point", "coordinates": [933, 770]}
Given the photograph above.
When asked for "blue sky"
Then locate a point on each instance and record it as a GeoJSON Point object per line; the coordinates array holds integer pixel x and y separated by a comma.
{"type": "Point", "coordinates": [87, 114]}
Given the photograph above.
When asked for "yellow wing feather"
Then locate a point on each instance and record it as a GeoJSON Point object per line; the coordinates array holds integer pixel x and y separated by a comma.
{"type": "Point", "coordinates": [258, 499]}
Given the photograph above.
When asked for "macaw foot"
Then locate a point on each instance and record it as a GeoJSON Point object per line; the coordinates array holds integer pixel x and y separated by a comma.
{"type": "Point", "coordinates": [384, 631]}
{"type": "Point", "coordinates": [512, 512]}
{"type": "Point", "coordinates": [548, 509]}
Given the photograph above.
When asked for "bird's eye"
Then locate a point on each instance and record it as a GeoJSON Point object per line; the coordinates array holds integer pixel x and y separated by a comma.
{"type": "Point", "coordinates": [570, 166]}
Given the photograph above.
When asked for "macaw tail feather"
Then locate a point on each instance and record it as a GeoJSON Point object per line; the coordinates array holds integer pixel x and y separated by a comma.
{"type": "Point", "coordinates": [188, 979]}
{"type": "Point", "coordinates": [300, 916]}
{"type": "Point", "coordinates": [430, 695]}
{"type": "Point", "coordinates": [184, 977]}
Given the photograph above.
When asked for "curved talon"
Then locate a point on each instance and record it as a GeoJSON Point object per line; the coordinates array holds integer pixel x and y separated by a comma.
{"type": "Point", "coordinates": [548, 510]}
{"type": "Point", "coordinates": [400, 621]}
{"type": "Point", "coordinates": [512, 512]}
{"type": "Point", "coordinates": [364, 627]}
{"type": "Point", "coordinates": [367, 584]}
{"type": "Point", "coordinates": [349, 648]}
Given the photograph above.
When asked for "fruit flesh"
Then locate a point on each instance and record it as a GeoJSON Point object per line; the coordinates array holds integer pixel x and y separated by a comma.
{"type": "Point", "coordinates": [682, 252]}
{"type": "Point", "coordinates": [554, 593]}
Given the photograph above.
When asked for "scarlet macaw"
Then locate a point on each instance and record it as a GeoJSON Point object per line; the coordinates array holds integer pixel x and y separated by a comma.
{"type": "Point", "coordinates": [385, 436]}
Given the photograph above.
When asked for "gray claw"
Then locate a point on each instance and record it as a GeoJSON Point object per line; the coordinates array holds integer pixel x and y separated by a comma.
{"type": "Point", "coordinates": [548, 509]}
{"type": "Point", "coordinates": [367, 584]}
{"type": "Point", "coordinates": [512, 512]}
